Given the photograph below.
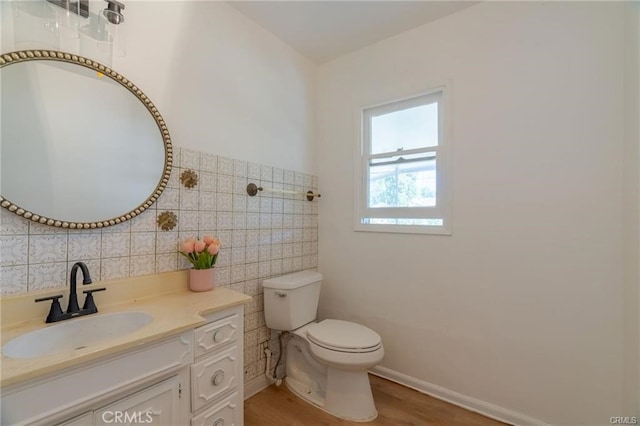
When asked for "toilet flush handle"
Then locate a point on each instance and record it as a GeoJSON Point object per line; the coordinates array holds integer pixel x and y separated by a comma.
{"type": "Point", "coordinates": [280, 293]}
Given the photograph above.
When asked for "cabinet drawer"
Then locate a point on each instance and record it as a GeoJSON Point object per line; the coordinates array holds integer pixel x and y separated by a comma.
{"type": "Point", "coordinates": [213, 376]}
{"type": "Point", "coordinates": [226, 413]}
{"type": "Point", "coordinates": [157, 405]}
{"type": "Point", "coordinates": [216, 334]}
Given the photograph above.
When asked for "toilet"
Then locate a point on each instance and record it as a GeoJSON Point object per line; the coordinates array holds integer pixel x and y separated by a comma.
{"type": "Point", "coordinates": [327, 361]}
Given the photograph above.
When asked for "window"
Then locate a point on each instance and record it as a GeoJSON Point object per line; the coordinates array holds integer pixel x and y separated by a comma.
{"type": "Point", "coordinates": [403, 169]}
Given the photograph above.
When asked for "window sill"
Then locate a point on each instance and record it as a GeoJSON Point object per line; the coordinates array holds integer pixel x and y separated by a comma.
{"type": "Point", "coordinates": [403, 229]}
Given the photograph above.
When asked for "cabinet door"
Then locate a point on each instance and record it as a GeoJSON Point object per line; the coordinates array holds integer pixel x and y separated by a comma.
{"type": "Point", "coordinates": [156, 405]}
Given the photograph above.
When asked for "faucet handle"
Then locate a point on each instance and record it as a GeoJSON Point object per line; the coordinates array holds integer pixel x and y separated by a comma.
{"type": "Point", "coordinates": [89, 303]}
{"type": "Point", "coordinates": [56, 311]}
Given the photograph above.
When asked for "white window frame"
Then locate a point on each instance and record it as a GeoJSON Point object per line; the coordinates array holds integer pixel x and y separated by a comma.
{"type": "Point", "coordinates": [442, 209]}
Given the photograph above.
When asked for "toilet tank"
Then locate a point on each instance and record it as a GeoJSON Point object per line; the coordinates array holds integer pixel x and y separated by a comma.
{"type": "Point", "coordinates": [291, 301]}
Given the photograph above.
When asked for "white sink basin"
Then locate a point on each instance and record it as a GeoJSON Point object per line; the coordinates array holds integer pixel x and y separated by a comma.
{"type": "Point", "coordinates": [75, 334]}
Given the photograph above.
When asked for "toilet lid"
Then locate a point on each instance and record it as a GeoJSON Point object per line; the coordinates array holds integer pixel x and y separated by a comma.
{"type": "Point", "coordinates": [343, 335]}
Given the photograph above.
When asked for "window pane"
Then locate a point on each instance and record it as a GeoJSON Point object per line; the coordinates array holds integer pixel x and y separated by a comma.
{"type": "Point", "coordinates": [406, 129]}
{"type": "Point", "coordinates": [399, 182]}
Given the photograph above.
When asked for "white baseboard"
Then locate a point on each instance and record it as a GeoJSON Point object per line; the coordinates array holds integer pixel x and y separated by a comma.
{"type": "Point", "coordinates": [256, 385]}
{"type": "Point", "coordinates": [455, 398]}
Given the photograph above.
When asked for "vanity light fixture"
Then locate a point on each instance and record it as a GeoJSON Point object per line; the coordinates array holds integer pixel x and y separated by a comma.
{"type": "Point", "coordinates": [113, 12]}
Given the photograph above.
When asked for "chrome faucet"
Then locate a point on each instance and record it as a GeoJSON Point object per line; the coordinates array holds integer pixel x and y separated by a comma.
{"type": "Point", "coordinates": [73, 310]}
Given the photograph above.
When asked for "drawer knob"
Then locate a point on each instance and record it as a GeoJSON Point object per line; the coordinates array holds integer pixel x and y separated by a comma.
{"type": "Point", "coordinates": [218, 336]}
{"type": "Point", "coordinates": [219, 422]}
{"type": "Point", "coordinates": [217, 378]}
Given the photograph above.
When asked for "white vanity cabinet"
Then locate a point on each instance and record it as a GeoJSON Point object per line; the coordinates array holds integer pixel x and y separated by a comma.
{"type": "Point", "coordinates": [194, 378]}
{"type": "Point", "coordinates": [217, 371]}
{"type": "Point", "coordinates": [68, 397]}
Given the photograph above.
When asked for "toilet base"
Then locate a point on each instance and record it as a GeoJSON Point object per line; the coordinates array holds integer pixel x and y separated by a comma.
{"type": "Point", "coordinates": [304, 392]}
{"type": "Point", "coordinates": [349, 402]}
{"type": "Point", "coordinates": [349, 395]}
{"type": "Point", "coordinates": [342, 393]}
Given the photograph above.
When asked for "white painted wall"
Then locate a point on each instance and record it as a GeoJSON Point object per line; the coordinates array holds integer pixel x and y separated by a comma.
{"type": "Point", "coordinates": [631, 216]}
{"type": "Point", "coordinates": [522, 307]}
{"type": "Point", "coordinates": [632, 207]}
{"type": "Point", "coordinates": [223, 84]}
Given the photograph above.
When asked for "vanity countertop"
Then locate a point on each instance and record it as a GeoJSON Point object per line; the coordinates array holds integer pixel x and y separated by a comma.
{"type": "Point", "coordinates": [166, 297]}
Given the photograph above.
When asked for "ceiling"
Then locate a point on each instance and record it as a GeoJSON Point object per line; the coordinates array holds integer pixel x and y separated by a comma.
{"type": "Point", "coordinates": [325, 30]}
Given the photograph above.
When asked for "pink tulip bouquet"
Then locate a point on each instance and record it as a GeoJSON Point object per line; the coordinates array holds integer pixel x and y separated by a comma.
{"type": "Point", "coordinates": [201, 253]}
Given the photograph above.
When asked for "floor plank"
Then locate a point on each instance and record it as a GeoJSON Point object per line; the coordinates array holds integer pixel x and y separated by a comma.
{"type": "Point", "coordinates": [397, 406]}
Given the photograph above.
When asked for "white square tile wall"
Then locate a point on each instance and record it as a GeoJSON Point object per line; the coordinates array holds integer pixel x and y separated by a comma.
{"type": "Point", "coordinates": [262, 236]}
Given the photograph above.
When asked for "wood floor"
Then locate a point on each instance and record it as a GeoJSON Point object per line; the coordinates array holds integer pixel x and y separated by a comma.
{"type": "Point", "coordinates": [397, 406]}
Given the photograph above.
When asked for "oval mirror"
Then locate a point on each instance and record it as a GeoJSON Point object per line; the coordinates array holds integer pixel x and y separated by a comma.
{"type": "Point", "coordinates": [81, 146]}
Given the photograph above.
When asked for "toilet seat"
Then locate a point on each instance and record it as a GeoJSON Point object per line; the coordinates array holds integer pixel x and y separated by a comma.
{"type": "Point", "coordinates": [344, 336]}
